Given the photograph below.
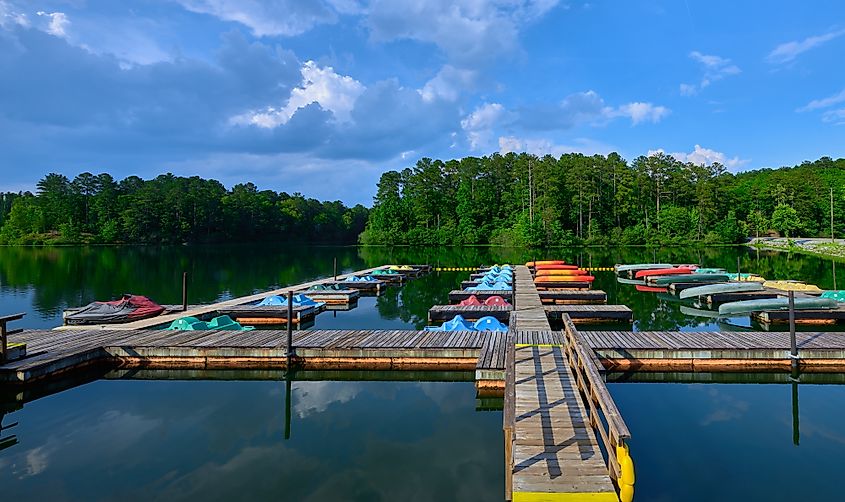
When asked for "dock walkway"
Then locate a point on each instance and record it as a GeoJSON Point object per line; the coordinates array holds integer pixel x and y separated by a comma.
{"type": "Point", "coordinates": [551, 450]}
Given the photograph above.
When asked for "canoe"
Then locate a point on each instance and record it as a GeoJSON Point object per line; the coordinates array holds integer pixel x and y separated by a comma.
{"type": "Point", "coordinates": [793, 286]}
{"type": "Point", "coordinates": [565, 278]}
{"type": "Point", "coordinates": [749, 306]}
{"type": "Point", "coordinates": [710, 314]}
{"type": "Point", "coordinates": [556, 267]}
{"type": "Point", "coordinates": [746, 278]}
{"type": "Point", "coordinates": [641, 266]}
{"type": "Point", "coordinates": [649, 289]}
{"type": "Point", "coordinates": [709, 271]}
{"type": "Point", "coordinates": [838, 295]}
{"type": "Point", "coordinates": [549, 273]}
{"type": "Point", "coordinates": [625, 280]}
{"type": "Point", "coordinates": [663, 271]}
{"type": "Point", "coordinates": [544, 262]}
{"type": "Point", "coordinates": [665, 280]}
{"type": "Point", "coordinates": [730, 287]}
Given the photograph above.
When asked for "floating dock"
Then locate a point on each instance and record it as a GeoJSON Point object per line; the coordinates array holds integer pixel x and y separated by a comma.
{"type": "Point", "coordinates": [469, 312]}
{"type": "Point", "coordinates": [332, 296]}
{"type": "Point", "coordinates": [270, 314]}
{"type": "Point", "coordinates": [821, 316]}
{"type": "Point", "coordinates": [366, 286]}
{"type": "Point", "coordinates": [573, 296]}
{"type": "Point", "coordinates": [563, 285]}
{"type": "Point", "coordinates": [590, 313]}
{"type": "Point", "coordinates": [469, 284]}
{"type": "Point", "coordinates": [460, 295]}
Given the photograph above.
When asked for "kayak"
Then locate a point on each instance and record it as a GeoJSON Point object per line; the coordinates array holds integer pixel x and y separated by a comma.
{"type": "Point", "coordinates": [792, 286]}
{"type": "Point", "coordinates": [544, 262]}
{"type": "Point", "coordinates": [748, 306]}
{"type": "Point", "coordinates": [565, 278]}
{"type": "Point", "coordinates": [625, 280]}
{"type": "Point", "coordinates": [402, 268]}
{"type": "Point", "coordinates": [663, 271]}
{"type": "Point", "coordinates": [712, 314]}
{"type": "Point", "coordinates": [665, 280]}
{"type": "Point", "coordinates": [642, 266]}
{"type": "Point", "coordinates": [556, 267]}
{"type": "Point", "coordinates": [730, 287]}
{"type": "Point", "coordinates": [546, 273]}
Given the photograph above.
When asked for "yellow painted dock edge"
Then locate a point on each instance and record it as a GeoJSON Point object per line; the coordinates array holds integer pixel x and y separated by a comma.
{"type": "Point", "coordinates": [566, 497]}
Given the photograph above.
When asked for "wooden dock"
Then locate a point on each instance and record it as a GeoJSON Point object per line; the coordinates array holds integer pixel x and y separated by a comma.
{"type": "Point", "coordinates": [590, 313]}
{"type": "Point", "coordinates": [573, 296]}
{"type": "Point", "coordinates": [551, 449]}
{"type": "Point", "coordinates": [460, 295]}
{"type": "Point", "coordinates": [820, 316]}
{"type": "Point", "coordinates": [365, 286]}
{"type": "Point", "coordinates": [469, 284]}
{"type": "Point", "coordinates": [470, 312]}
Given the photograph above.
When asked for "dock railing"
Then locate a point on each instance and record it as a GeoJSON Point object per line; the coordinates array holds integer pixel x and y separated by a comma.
{"type": "Point", "coordinates": [509, 412]}
{"type": "Point", "coordinates": [604, 416]}
{"type": "Point", "coordinates": [5, 332]}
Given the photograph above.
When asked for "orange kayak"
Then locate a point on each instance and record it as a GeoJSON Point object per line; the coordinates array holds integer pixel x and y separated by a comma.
{"type": "Point", "coordinates": [650, 289]}
{"type": "Point", "coordinates": [544, 262]}
{"type": "Point", "coordinates": [556, 267]}
{"type": "Point", "coordinates": [664, 271]}
{"type": "Point", "coordinates": [556, 273]}
{"type": "Point", "coordinates": [565, 278]}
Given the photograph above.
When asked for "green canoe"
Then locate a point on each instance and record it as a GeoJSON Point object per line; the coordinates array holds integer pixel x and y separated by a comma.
{"type": "Point", "coordinates": [748, 306]}
{"type": "Point", "coordinates": [726, 287]}
{"type": "Point", "coordinates": [838, 295]}
{"type": "Point", "coordinates": [665, 280]}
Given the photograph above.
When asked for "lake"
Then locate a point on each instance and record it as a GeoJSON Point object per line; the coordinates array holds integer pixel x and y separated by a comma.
{"type": "Point", "coordinates": [382, 436]}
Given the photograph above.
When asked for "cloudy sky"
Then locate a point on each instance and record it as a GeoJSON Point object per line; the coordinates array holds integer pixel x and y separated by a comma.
{"type": "Point", "coordinates": [321, 96]}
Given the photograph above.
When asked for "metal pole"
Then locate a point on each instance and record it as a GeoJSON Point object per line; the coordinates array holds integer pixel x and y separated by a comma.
{"type": "Point", "coordinates": [287, 402]}
{"type": "Point", "coordinates": [738, 271]}
{"type": "Point", "coordinates": [3, 342]}
{"type": "Point", "coordinates": [793, 346]}
{"type": "Point", "coordinates": [184, 291]}
{"type": "Point", "coordinates": [335, 268]}
{"type": "Point", "coordinates": [290, 330]}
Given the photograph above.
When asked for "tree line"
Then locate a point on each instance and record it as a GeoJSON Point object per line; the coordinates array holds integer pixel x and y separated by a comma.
{"type": "Point", "coordinates": [169, 209]}
{"type": "Point", "coordinates": [522, 199]}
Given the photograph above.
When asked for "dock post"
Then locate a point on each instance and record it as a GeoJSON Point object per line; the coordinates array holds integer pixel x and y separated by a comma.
{"type": "Point", "coordinates": [793, 345]}
{"type": "Point", "coordinates": [738, 271]}
{"type": "Point", "coordinates": [184, 291]}
{"type": "Point", "coordinates": [290, 330]}
{"type": "Point", "coordinates": [335, 268]}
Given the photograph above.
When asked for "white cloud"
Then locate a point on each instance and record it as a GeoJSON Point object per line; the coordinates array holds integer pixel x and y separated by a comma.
{"type": "Point", "coordinates": [786, 52]}
{"type": "Point", "coordinates": [715, 68]}
{"type": "Point", "coordinates": [543, 146]}
{"type": "Point", "coordinates": [641, 112]}
{"type": "Point", "coordinates": [704, 156]}
{"type": "Point", "coordinates": [9, 17]}
{"type": "Point", "coordinates": [479, 124]}
{"type": "Point", "coordinates": [448, 83]}
{"type": "Point", "coordinates": [817, 104]}
{"type": "Point", "coordinates": [271, 17]}
{"type": "Point", "coordinates": [333, 92]}
{"type": "Point", "coordinates": [834, 116]}
{"type": "Point", "coordinates": [471, 32]}
{"type": "Point", "coordinates": [58, 22]}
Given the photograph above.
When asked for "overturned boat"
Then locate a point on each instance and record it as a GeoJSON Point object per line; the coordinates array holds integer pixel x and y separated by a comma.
{"type": "Point", "coordinates": [127, 309]}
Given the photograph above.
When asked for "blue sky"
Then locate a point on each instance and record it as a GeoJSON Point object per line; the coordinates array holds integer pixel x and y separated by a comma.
{"type": "Point", "coordinates": [321, 96]}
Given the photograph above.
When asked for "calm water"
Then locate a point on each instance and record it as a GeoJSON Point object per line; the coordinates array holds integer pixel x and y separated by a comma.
{"type": "Point", "coordinates": [224, 439]}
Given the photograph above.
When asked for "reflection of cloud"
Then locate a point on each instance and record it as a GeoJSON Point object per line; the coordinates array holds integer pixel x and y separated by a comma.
{"type": "Point", "coordinates": [36, 461]}
{"type": "Point", "coordinates": [315, 397]}
{"type": "Point", "coordinates": [727, 408]}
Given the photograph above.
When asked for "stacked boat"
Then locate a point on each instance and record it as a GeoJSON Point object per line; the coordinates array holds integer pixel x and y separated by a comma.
{"type": "Point", "coordinates": [557, 274]}
{"type": "Point", "coordinates": [495, 279]}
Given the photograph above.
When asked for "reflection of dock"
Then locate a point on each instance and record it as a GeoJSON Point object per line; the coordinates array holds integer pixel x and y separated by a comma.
{"type": "Point", "coordinates": [567, 296]}
{"type": "Point", "coordinates": [270, 314]}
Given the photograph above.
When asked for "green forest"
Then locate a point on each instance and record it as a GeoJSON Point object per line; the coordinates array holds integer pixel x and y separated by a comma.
{"type": "Point", "coordinates": [525, 200]}
{"type": "Point", "coordinates": [168, 209]}
{"type": "Point", "coordinates": [507, 200]}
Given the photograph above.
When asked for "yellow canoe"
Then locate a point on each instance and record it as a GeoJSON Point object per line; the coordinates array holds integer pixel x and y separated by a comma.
{"type": "Point", "coordinates": [792, 286]}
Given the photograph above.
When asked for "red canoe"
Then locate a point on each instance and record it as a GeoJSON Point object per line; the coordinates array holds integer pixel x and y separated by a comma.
{"type": "Point", "coordinates": [664, 271]}
{"type": "Point", "coordinates": [560, 273]}
{"type": "Point", "coordinates": [556, 267]}
{"type": "Point", "coordinates": [650, 289]}
{"type": "Point", "coordinates": [565, 278]}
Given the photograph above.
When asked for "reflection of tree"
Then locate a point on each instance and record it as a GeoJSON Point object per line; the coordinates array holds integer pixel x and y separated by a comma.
{"type": "Point", "coordinates": [411, 302]}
